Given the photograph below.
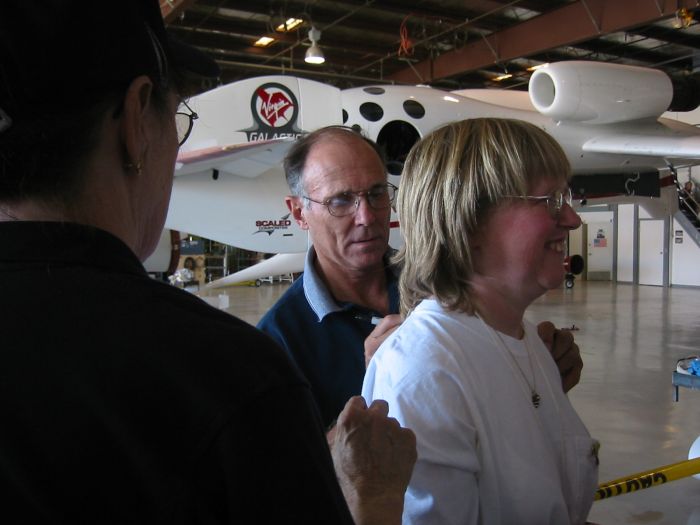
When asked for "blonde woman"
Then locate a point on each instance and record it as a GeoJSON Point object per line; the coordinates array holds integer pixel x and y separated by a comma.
{"type": "Point", "coordinates": [485, 210]}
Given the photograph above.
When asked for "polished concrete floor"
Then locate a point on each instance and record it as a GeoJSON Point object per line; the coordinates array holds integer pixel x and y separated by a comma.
{"type": "Point", "coordinates": [630, 339]}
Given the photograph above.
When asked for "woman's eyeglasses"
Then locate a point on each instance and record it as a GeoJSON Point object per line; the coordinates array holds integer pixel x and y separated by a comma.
{"type": "Point", "coordinates": [184, 123]}
{"type": "Point", "coordinates": [555, 201]}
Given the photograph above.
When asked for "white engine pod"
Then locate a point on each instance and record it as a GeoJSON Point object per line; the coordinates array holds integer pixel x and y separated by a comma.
{"type": "Point", "coordinates": [599, 93]}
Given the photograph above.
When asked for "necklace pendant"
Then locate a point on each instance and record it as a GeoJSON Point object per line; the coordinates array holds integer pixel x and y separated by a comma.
{"type": "Point", "coordinates": [535, 399]}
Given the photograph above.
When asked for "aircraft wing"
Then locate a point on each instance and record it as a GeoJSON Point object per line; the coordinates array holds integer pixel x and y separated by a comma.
{"type": "Point", "coordinates": [247, 159]}
{"type": "Point", "coordinates": [280, 264]}
{"type": "Point", "coordinates": [672, 147]}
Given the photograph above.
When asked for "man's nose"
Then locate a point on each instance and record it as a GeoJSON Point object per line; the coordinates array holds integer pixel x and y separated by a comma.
{"type": "Point", "coordinates": [364, 213]}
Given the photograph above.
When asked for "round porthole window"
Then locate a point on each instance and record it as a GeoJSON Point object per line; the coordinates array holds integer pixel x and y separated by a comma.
{"type": "Point", "coordinates": [371, 111]}
{"type": "Point", "coordinates": [413, 108]}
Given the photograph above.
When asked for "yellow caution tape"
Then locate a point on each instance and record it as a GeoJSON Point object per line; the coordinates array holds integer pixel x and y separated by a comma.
{"type": "Point", "coordinates": [648, 478]}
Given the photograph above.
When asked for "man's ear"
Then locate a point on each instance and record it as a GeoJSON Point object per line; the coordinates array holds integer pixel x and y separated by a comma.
{"type": "Point", "coordinates": [134, 129]}
{"type": "Point", "coordinates": [296, 207]}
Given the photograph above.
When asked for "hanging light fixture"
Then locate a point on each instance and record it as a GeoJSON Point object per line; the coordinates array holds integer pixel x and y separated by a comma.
{"type": "Point", "coordinates": [314, 55]}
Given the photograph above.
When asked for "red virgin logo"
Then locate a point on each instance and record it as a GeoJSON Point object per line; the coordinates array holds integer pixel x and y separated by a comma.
{"type": "Point", "coordinates": [274, 105]}
{"type": "Point", "coordinates": [275, 110]}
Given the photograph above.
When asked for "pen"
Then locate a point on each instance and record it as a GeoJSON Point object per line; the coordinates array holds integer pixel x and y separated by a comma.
{"type": "Point", "coordinates": [370, 319]}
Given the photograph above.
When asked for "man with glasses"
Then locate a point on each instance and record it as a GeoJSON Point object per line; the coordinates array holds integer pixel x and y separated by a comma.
{"type": "Point", "coordinates": [340, 194]}
{"type": "Point", "coordinates": [326, 320]}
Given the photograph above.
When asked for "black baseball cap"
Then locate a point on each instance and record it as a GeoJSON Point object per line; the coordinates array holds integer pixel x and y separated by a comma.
{"type": "Point", "coordinates": [58, 54]}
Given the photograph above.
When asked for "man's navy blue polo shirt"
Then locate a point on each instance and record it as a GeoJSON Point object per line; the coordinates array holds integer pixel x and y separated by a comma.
{"type": "Point", "coordinates": [324, 337]}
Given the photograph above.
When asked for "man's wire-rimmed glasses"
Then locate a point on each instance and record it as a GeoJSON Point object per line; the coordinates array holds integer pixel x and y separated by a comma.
{"type": "Point", "coordinates": [183, 123]}
{"type": "Point", "coordinates": [555, 201]}
{"type": "Point", "coordinates": [379, 197]}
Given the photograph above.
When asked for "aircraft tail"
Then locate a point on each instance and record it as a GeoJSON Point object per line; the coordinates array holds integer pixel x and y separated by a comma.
{"type": "Point", "coordinates": [229, 183]}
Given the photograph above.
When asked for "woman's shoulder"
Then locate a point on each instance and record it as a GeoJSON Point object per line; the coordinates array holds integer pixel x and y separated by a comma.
{"type": "Point", "coordinates": [437, 320]}
{"type": "Point", "coordinates": [431, 338]}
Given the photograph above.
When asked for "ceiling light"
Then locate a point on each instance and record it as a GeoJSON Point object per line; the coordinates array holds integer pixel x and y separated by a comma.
{"type": "Point", "coordinates": [502, 77]}
{"type": "Point", "coordinates": [290, 24]}
{"type": "Point", "coordinates": [314, 55]}
{"type": "Point", "coordinates": [264, 41]}
{"type": "Point", "coordinates": [538, 66]}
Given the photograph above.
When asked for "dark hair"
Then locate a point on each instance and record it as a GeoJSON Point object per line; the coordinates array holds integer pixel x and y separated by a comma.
{"type": "Point", "coordinates": [65, 65]}
{"type": "Point", "coordinates": [40, 157]}
{"type": "Point", "coordinates": [295, 160]}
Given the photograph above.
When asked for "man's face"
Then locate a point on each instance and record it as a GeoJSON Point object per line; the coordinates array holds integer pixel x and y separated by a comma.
{"type": "Point", "coordinates": [357, 242]}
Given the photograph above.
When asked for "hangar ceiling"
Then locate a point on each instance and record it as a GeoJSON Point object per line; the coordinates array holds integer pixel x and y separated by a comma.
{"type": "Point", "coordinates": [451, 44]}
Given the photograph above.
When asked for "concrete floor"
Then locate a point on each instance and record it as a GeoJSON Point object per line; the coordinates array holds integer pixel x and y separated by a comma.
{"type": "Point", "coordinates": [630, 339]}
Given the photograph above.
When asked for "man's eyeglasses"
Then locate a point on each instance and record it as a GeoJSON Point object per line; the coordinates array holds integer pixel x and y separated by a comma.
{"type": "Point", "coordinates": [555, 201]}
{"type": "Point", "coordinates": [184, 123]}
{"type": "Point", "coordinates": [378, 197]}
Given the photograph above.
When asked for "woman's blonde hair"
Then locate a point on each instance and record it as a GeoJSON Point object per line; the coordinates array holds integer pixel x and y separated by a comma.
{"type": "Point", "coordinates": [450, 180]}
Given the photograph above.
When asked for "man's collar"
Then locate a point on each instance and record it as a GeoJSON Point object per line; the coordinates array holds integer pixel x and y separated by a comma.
{"type": "Point", "coordinates": [317, 293]}
{"type": "Point", "coordinates": [320, 297]}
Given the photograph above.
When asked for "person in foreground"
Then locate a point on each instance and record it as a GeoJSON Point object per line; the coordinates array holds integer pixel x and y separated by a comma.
{"type": "Point", "coordinates": [120, 401]}
{"type": "Point", "coordinates": [486, 210]}
{"type": "Point", "coordinates": [340, 194]}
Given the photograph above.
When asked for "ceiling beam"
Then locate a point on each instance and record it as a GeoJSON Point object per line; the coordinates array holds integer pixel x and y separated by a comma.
{"type": "Point", "coordinates": [575, 22]}
{"type": "Point", "coordinates": [674, 36]}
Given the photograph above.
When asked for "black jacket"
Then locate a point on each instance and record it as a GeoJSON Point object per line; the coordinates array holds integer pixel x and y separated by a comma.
{"type": "Point", "coordinates": [125, 400]}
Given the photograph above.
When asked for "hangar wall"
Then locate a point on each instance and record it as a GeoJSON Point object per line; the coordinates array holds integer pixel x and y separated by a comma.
{"type": "Point", "coordinates": [644, 250]}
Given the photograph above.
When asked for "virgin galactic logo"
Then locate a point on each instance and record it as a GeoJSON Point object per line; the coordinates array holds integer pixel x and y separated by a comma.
{"type": "Point", "coordinates": [275, 110]}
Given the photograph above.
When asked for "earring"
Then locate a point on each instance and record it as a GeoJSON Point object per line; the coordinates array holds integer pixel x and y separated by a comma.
{"type": "Point", "coordinates": [130, 166]}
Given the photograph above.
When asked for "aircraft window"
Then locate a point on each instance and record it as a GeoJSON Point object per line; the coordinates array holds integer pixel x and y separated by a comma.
{"type": "Point", "coordinates": [396, 139]}
{"type": "Point", "coordinates": [414, 109]}
{"type": "Point", "coordinates": [374, 90]}
{"type": "Point", "coordinates": [345, 116]}
{"type": "Point", "coordinates": [371, 111]}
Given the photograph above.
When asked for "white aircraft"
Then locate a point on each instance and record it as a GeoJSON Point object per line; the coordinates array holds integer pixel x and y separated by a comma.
{"type": "Point", "coordinates": [229, 185]}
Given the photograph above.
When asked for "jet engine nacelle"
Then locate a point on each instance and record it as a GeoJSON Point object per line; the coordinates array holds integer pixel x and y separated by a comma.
{"type": "Point", "coordinates": [599, 93]}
